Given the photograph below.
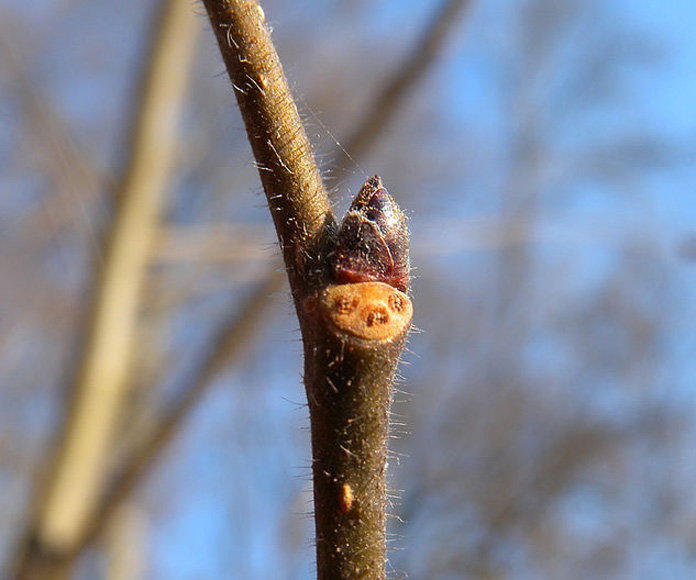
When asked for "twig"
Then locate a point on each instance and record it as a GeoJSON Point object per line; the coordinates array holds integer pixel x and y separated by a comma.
{"type": "Point", "coordinates": [350, 360]}
{"type": "Point", "coordinates": [353, 333]}
{"type": "Point", "coordinates": [290, 177]}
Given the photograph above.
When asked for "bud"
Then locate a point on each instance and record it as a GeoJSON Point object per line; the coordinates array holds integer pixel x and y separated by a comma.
{"type": "Point", "coordinates": [373, 240]}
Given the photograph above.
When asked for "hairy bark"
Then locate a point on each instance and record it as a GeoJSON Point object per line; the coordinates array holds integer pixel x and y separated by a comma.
{"type": "Point", "coordinates": [290, 177]}
{"type": "Point", "coordinates": [350, 360]}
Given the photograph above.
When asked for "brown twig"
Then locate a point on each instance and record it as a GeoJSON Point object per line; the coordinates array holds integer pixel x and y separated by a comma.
{"type": "Point", "coordinates": [353, 334]}
{"type": "Point", "coordinates": [290, 177]}
{"type": "Point", "coordinates": [350, 361]}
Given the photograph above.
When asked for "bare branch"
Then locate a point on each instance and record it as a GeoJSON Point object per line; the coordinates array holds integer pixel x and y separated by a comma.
{"type": "Point", "coordinates": [353, 333]}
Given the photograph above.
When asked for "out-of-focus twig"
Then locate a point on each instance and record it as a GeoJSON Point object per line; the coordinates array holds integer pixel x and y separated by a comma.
{"type": "Point", "coordinates": [125, 544]}
{"type": "Point", "coordinates": [475, 233]}
{"type": "Point", "coordinates": [70, 169]}
{"type": "Point", "coordinates": [403, 81]}
{"type": "Point", "coordinates": [78, 474]}
{"type": "Point", "coordinates": [233, 339]}
{"type": "Point", "coordinates": [221, 243]}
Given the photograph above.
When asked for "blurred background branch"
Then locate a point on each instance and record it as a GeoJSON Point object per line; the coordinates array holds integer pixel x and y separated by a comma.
{"type": "Point", "coordinates": [234, 338]}
{"type": "Point", "coordinates": [388, 102]}
{"type": "Point", "coordinates": [74, 483]}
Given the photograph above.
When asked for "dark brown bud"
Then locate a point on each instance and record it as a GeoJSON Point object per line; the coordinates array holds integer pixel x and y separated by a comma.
{"type": "Point", "coordinates": [373, 240]}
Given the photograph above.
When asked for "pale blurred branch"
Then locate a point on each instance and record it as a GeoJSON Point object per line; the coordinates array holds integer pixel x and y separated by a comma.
{"type": "Point", "coordinates": [211, 243]}
{"type": "Point", "coordinates": [77, 478]}
{"type": "Point", "coordinates": [126, 545]}
{"type": "Point", "coordinates": [234, 338]}
{"type": "Point", "coordinates": [235, 243]}
{"type": "Point", "coordinates": [163, 293]}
